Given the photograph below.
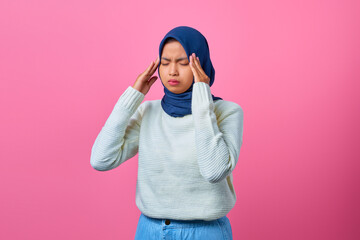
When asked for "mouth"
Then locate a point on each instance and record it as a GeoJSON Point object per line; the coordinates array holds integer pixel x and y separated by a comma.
{"type": "Point", "coordinates": [173, 82]}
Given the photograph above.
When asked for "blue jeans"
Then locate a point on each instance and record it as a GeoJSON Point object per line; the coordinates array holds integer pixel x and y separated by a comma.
{"type": "Point", "coordinates": [167, 229]}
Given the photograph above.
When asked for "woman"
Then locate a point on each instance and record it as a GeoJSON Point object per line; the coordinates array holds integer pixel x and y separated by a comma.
{"type": "Point", "coordinates": [188, 143]}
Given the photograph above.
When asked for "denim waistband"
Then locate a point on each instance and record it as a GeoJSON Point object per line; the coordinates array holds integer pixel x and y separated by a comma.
{"type": "Point", "coordinates": [181, 223]}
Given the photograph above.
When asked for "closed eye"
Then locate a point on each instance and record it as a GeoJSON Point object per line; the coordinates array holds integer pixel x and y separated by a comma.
{"type": "Point", "coordinates": [165, 64]}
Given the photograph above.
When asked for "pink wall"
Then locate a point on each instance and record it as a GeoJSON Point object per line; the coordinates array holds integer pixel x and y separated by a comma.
{"type": "Point", "coordinates": [293, 66]}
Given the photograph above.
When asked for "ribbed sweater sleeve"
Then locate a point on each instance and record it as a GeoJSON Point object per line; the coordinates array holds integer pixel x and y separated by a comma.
{"type": "Point", "coordinates": [218, 141]}
{"type": "Point", "coordinates": [118, 139]}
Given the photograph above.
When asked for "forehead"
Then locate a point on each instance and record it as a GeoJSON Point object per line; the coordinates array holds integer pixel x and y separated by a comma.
{"type": "Point", "coordinates": [173, 49]}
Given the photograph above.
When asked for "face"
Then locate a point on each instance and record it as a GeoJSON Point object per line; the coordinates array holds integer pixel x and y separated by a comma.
{"type": "Point", "coordinates": [175, 65]}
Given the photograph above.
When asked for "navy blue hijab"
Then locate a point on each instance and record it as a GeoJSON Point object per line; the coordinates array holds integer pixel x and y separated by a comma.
{"type": "Point", "coordinates": [179, 105]}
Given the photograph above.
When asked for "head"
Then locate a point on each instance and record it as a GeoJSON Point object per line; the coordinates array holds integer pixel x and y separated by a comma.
{"type": "Point", "coordinates": [174, 51]}
{"type": "Point", "coordinates": [174, 64]}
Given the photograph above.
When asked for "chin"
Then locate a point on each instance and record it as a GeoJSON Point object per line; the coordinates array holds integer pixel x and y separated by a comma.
{"type": "Point", "coordinates": [176, 91]}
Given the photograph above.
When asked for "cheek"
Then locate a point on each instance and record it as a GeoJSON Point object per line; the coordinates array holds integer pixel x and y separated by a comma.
{"type": "Point", "coordinates": [161, 71]}
{"type": "Point", "coordinates": [186, 70]}
{"type": "Point", "coordinates": [189, 73]}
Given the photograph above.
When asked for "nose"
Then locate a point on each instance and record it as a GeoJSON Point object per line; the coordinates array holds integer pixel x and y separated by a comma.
{"type": "Point", "coordinates": [173, 70]}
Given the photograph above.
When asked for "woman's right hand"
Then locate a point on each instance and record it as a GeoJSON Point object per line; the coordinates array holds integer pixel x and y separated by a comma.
{"type": "Point", "coordinates": [143, 81]}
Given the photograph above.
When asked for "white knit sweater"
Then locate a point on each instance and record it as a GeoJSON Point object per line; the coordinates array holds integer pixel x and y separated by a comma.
{"type": "Point", "coordinates": [185, 163]}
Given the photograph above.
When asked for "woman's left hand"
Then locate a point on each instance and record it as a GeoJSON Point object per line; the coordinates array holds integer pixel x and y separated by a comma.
{"type": "Point", "coordinates": [199, 74]}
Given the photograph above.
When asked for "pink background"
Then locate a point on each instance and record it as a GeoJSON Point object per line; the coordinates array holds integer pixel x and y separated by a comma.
{"type": "Point", "coordinates": [293, 66]}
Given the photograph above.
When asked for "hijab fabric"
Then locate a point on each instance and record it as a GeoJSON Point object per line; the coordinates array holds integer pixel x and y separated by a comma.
{"type": "Point", "coordinates": [179, 105]}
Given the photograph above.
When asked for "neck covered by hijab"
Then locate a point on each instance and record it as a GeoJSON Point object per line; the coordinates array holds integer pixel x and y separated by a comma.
{"type": "Point", "coordinates": [179, 105]}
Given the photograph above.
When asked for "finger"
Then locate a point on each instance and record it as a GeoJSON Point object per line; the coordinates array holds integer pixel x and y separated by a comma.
{"type": "Point", "coordinates": [198, 65]}
{"type": "Point", "coordinates": [194, 68]}
{"type": "Point", "coordinates": [196, 61]}
{"type": "Point", "coordinates": [148, 69]}
{"type": "Point", "coordinates": [157, 61]}
{"type": "Point", "coordinates": [154, 67]}
{"type": "Point", "coordinates": [201, 70]}
{"type": "Point", "coordinates": [195, 65]}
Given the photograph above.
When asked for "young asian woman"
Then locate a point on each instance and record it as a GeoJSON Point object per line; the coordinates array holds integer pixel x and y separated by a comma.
{"type": "Point", "coordinates": [188, 143]}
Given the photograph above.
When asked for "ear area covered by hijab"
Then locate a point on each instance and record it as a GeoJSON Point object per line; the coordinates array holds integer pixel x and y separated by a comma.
{"type": "Point", "coordinates": [179, 105]}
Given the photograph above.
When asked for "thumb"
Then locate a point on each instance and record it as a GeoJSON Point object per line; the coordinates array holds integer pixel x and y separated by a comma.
{"type": "Point", "coordinates": [152, 80]}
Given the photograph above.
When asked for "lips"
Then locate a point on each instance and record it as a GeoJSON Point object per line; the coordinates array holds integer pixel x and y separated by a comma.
{"type": "Point", "coordinates": [173, 81]}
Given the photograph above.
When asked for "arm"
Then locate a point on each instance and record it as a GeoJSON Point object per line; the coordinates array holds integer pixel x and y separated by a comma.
{"type": "Point", "coordinates": [118, 139]}
{"type": "Point", "coordinates": [217, 144]}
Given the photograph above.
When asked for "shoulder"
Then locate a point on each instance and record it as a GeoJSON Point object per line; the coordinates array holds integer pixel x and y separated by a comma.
{"type": "Point", "coordinates": [225, 108]}
{"type": "Point", "coordinates": [149, 105]}
{"type": "Point", "coordinates": [229, 116]}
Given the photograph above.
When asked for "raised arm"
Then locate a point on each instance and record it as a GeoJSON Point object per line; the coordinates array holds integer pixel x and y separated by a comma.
{"type": "Point", "coordinates": [118, 139]}
{"type": "Point", "coordinates": [218, 141]}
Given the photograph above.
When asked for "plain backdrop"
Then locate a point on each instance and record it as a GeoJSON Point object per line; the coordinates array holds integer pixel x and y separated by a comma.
{"type": "Point", "coordinates": [293, 66]}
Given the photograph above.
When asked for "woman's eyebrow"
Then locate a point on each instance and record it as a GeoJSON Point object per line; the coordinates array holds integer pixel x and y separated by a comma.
{"type": "Point", "coordinates": [179, 59]}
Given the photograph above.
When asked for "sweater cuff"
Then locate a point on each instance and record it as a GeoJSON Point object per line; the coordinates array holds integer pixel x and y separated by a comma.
{"type": "Point", "coordinates": [131, 99]}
